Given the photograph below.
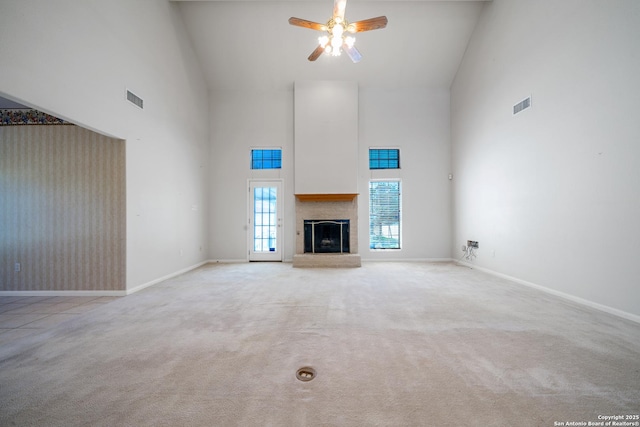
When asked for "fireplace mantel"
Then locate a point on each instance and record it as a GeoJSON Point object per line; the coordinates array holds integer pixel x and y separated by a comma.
{"type": "Point", "coordinates": [342, 197]}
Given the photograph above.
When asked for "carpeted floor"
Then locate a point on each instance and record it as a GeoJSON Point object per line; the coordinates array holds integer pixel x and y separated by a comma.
{"type": "Point", "coordinates": [393, 344]}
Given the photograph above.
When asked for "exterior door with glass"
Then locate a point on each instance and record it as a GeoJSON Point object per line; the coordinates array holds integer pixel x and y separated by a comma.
{"type": "Point", "coordinates": [265, 221]}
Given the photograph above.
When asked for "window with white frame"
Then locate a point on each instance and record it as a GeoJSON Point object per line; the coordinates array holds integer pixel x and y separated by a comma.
{"type": "Point", "coordinates": [385, 208]}
{"type": "Point", "coordinates": [266, 158]}
{"type": "Point", "coordinates": [384, 158]}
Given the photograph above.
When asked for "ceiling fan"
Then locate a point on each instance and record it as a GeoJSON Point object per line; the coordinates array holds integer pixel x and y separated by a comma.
{"type": "Point", "coordinates": [338, 30]}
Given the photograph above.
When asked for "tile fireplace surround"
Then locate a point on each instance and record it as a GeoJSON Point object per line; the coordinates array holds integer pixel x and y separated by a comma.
{"type": "Point", "coordinates": [327, 207]}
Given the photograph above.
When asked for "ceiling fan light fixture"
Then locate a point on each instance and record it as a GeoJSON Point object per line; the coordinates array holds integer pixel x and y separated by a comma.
{"type": "Point", "coordinates": [336, 43]}
{"type": "Point", "coordinates": [350, 41]}
{"type": "Point", "coordinates": [337, 28]}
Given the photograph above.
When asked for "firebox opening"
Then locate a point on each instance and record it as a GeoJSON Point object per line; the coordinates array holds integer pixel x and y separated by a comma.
{"type": "Point", "coordinates": [326, 236]}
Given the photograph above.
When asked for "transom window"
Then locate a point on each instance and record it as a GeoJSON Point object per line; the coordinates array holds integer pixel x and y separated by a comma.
{"type": "Point", "coordinates": [266, 158]}
{"type": "Point", "coordinates": [384, 158]}
{"type": "Point", "coordinates": [384, 214]}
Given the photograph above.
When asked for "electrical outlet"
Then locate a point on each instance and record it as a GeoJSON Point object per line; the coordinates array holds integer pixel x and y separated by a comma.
{"type": "Point", "coordinates": [17, 267]}
{"type": "Point", "coordinates": [472, 244]}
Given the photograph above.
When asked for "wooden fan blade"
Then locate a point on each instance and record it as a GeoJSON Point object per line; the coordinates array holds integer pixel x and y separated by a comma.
{"type": "Point", "coordinates": [353, 53]}
{"type": "Point", "coordinates": [306, 24]}
{"type": "Point", "coordinates": [369, 24]}
{"type": "Point", "coordinates": [316, 53]}
{"type": "Point", "coordinates": [338, 8]}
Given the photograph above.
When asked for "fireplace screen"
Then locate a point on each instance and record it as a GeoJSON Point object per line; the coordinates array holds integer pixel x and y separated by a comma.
{"type": "Point", "coordinates": [326, 236]}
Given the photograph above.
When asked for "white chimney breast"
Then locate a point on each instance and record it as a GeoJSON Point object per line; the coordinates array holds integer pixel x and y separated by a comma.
{"type": "Point", "coordinates": [326, 137]}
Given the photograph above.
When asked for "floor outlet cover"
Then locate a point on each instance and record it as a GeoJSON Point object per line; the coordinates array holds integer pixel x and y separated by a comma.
{"type": "Point", "coordinates": [306, 374]}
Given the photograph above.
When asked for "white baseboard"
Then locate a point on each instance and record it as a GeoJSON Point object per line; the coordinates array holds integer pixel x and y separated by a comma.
{"type": "Point", "coordinates": [408, 260]}
{"type": "Point", "coordinates": [573, 298]}
{"type": "Point", "coordinates": [227, 261]}
{"type": "Point", "coordinates": [290, 260]}
{"type": "Point", "coordinates": [98, 293]}
{"type": "Point", "coordinates": [167, 277]}
{"type": "Point", "coordinates": [63, 293]}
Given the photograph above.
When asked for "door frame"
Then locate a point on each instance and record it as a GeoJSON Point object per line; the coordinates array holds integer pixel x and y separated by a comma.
{"type": "Point", "coordinates": [278, 254]}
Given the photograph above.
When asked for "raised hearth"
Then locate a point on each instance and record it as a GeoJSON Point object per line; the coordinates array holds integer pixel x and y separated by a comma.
{"type": "Point", "coordinates": [327, 260]}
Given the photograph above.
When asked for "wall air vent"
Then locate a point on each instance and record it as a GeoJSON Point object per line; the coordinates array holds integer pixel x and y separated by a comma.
{"type": "Point", "coordinates": [134, 99]}
{"type": "Point", "coordinates": [522, 105]}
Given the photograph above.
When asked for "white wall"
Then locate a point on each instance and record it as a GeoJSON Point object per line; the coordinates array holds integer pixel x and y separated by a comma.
{"type": "Point", "coordinates": [415, 120]}
{"type": "Point", "coordinates": [326, 137]}
{"type": "Point", "coordinates": [239, 121]}
{"type": "Point", "coordinates": [74, 59]}
{"type": "Point", "coordinates": [553, 190]}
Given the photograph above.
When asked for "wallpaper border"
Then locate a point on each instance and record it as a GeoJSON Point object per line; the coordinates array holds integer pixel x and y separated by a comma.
{"type": "Point", "coordinates": [27, 116]}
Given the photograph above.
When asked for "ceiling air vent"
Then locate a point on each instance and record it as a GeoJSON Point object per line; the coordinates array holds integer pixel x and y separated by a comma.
{"type": "Point", "coordinates": [522, 105]}
{"type": "Point", "coordinates": [134, 99]}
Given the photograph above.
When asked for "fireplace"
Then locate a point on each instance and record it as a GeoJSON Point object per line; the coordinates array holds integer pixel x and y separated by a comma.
{"type": "Point", "coordinates": [326, 230]}
{"type": "Point", "coordinates": [326, 236]}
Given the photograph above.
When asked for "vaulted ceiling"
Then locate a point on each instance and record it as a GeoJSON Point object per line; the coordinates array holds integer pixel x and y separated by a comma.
{"type": "Point", "coordinates": [250, 44]}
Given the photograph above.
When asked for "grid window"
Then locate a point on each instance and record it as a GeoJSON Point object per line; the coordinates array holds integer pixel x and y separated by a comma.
{"type": "Point", "coordinates": [384, 158]}
{"type": "Point", "coordinates": [384, 214]}
{"type": "Point", "coordinates": [266, 159]}
{"type": "Point", "coordinates": [264, 219]}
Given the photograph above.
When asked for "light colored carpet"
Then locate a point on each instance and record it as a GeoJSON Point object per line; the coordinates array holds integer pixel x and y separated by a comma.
{"type": "Point", "coordinates": [393, 344]}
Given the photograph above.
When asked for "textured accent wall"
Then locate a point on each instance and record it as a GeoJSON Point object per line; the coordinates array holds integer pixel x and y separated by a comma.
{"type": "Point", "coordinates": [27, 116]}
{"type": "Point", "coordinates": [62, 209]}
